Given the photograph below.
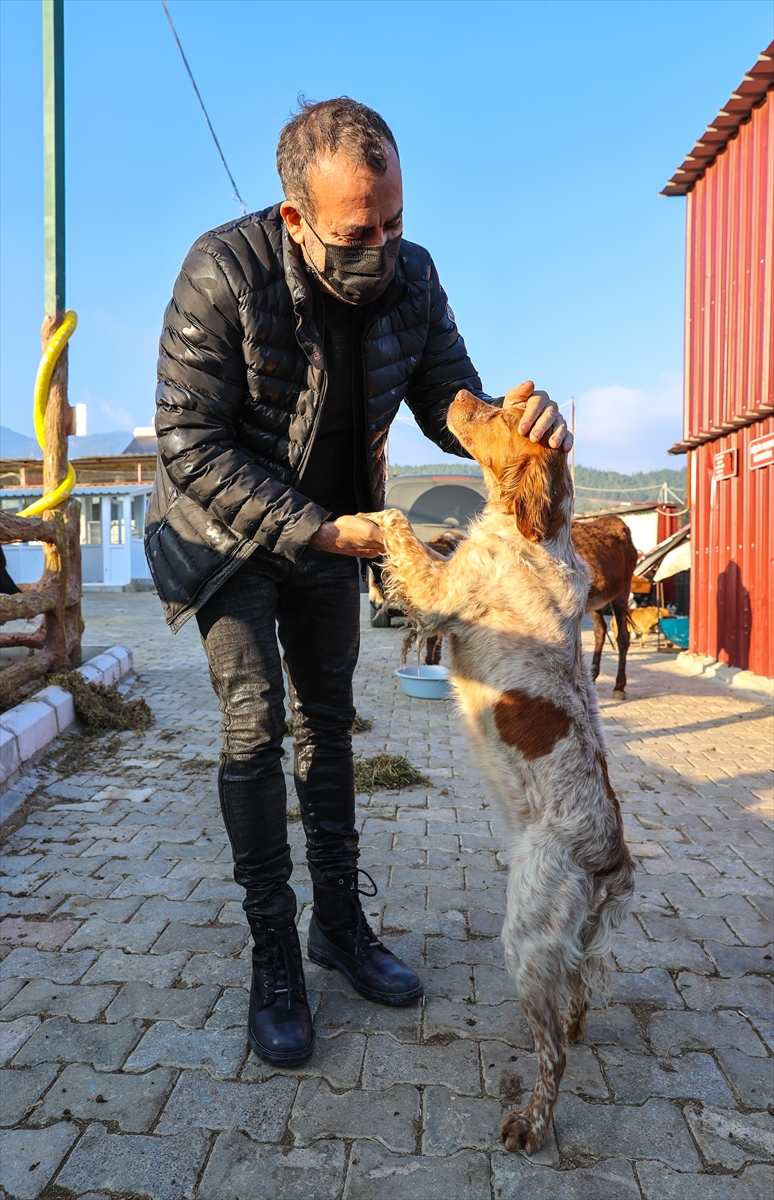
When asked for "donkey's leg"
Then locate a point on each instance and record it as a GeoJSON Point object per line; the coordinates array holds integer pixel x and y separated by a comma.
{"type": "Point", "coordinates": [433, 649]}
{"type": "Point", "coordinates": [620, 607]}
{"type": "Point", "coordinates": [600, 629]}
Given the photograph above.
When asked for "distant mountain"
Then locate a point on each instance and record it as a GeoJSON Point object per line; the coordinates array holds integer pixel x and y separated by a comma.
{"type": "Point", "coordinates": [603, 489]}
{"type": "Point", "coordinates": [458, 466]}
{"type": "Point", "coordinates": [95, 444]}
{"type": "Point", "coordinates": [593, 489]}
{"type": "Point", "coordinates": [18, 445]}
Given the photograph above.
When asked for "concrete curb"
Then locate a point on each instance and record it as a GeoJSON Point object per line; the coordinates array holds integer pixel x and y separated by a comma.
{"type": "Point", "coordinates": [732, 677]}
{"type": "Point", "coordinates": [30, 727]}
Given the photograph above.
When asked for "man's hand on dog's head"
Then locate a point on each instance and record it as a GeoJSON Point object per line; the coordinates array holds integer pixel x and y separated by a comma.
{"type": "Point", "coordinates": [355, 536]}
{"type": "Point", "coordinates": [541, 415]}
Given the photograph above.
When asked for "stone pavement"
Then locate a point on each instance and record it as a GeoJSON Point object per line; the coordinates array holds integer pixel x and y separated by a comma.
{"type": "Point", "coordinates": [126, 1071]}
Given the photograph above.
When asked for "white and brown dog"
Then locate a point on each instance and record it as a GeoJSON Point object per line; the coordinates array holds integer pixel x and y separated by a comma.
{"type": "Point", "coordinates": [511, 601]}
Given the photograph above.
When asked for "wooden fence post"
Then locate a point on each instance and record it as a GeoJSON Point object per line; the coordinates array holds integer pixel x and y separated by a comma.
{"type": "Point", "coordinates": [57, 595]}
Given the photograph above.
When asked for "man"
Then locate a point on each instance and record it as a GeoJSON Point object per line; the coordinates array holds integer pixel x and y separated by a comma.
{"type": "Point", "coordinates": [292, 337]}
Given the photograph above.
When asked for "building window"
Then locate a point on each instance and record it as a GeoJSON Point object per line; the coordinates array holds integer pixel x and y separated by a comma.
{"type": "Point", "coordinates": [91, 521]}
{"type": "Point", "coordinates": [138, 515]}
{"type": "Point", "coordinates": [117, 532]}
{"type": "Point", "coordinates": [14, 504]}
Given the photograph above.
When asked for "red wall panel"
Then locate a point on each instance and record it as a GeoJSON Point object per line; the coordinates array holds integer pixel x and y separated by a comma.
{"type": "Point", "coordinates": [729, 380]}
{"type": "Point", "coordinates": [732, 576]}
{"type": "Point", "coordinates": [729, 345]}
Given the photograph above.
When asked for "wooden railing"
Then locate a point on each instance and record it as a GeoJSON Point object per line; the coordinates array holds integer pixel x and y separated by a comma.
{"type": "Point", "coordinates": [56, 596]}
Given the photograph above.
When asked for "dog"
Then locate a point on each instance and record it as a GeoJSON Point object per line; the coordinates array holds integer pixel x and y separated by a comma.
{"type": "Point", "coordinates": [511, 601]}
{"type": "Point", "coordinates": [642, 621]}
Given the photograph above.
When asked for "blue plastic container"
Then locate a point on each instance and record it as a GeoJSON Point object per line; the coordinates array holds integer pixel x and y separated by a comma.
{"type": "Point", "coordinates": [675, 630]}
{"type": "Point", "coordinates": [427, 683]}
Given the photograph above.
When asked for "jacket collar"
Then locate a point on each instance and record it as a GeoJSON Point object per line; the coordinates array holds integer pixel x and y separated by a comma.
{"type": "Point", "coordinates": [295, 276]}
{"type": "Point", "coordinates": [307, 333]}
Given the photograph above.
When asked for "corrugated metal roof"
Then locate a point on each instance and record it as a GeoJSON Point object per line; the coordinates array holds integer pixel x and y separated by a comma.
{"type": "Point", "coordinates": [751, 92]}
{"type": "Point", "coordinates": [729, 287]}
{"type": "Point", "coordinates": [88, 489]}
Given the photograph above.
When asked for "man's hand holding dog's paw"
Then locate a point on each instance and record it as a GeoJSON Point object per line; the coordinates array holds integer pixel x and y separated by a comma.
{"type": "Point", "coordinates": [541, 416]}
{"type": "Point", "coordinates": [355, 536]}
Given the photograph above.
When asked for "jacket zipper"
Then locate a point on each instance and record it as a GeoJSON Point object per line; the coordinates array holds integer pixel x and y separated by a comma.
{"type": "Point", "coordinates": [318, 414]}
{"type": "Point", "coordinates": [366, 447]}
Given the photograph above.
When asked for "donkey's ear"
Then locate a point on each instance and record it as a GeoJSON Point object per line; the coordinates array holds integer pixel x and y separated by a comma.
{"type": "Point", "coordinates": [533, 489]}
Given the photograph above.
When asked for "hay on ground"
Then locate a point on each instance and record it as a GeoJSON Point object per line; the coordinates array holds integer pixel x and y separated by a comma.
{"type": "Point", "coordinates": [101, 709]}
{"type": "Point", "coordinates": [386, 773]}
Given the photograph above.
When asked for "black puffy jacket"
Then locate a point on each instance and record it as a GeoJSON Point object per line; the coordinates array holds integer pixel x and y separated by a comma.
{"type": "Point", "coordinates": [241, 384]}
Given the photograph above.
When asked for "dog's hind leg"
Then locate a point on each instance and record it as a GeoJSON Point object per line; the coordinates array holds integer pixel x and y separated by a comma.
{"type": "Point", "coordinates": [574, 1020]}
{"type": "Point", "coordinates": [540, 934]}
{"type": "Point", "coordinates": [526, 1129]}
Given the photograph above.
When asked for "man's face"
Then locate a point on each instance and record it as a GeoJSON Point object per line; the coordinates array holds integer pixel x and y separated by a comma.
{"type": "Point", "coordinates": [353, 206]}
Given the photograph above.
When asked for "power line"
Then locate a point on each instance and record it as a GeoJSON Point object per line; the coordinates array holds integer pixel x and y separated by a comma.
{"type": "Point", "coordinates": [648, 487]}
{"type": "Point", "coordinates": [593, 451]}
{"type": "Point", "coordinates": [204, 110]}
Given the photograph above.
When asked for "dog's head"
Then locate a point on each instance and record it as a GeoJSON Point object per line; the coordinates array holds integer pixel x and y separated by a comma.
{"type": "Point", "coordinates": [530, 479]}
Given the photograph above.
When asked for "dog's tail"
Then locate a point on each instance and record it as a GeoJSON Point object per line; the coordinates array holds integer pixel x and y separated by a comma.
{"type": "Point", "coordinates": [615, 891]}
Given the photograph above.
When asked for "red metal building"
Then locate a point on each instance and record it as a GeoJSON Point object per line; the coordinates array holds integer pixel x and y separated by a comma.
{"type": "Point", "coordinates": [728, 179]}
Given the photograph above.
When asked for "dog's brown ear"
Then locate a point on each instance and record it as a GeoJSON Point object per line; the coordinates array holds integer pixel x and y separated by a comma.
{"type": "Point", "coordinates": [533, 490]}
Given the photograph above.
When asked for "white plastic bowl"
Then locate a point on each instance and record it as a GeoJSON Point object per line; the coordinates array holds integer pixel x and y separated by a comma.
{"type": "Point", "coordinates": [428, 683]}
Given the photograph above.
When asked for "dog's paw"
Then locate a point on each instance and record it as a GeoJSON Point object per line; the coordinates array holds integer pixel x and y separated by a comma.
{"type": "Point", "coordinates": [384, 516]}
{"type": "Point", "coordinates": [520, 1133]}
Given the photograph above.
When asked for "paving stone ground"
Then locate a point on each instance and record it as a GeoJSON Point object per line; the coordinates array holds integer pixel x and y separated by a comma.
{"type": "Point", "coordinates": [123, 985]}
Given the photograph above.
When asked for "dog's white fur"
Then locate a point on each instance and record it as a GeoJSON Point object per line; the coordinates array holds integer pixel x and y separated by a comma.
{"type": "Point", "coordinates": [511, 602]}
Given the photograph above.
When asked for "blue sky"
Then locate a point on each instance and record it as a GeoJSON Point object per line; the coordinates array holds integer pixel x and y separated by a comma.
{"type": "Point", "coordinates": [534, 137]}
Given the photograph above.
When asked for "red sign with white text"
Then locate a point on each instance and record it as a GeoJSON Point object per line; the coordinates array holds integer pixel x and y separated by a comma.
{"type": "Point", "coordinates": [724, 465]}
{"type": "Point", "coordinates": [762, 451]}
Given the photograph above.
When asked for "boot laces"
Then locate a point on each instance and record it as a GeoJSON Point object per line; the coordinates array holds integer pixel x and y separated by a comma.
{"type": "Point", "coordinates": [276, 957]}
{"type": "Point", "coordinates": [364, 934]}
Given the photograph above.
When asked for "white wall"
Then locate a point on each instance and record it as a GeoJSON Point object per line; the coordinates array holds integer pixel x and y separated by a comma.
{"type": "Point", "coordinates": [114, 563]}
{"type": "Point", "coordinates": [139, 561]}
{"type": "Point", "coordinates": [24, 561]}
{"type": "Point", "coordinates": [643, 527]}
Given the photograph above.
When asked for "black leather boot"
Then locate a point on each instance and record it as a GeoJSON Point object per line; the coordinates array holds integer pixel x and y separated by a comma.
{"type": "Point", "coordinates": [341, 938]}
{"type": "Point", "coordinates": [279, 1025]}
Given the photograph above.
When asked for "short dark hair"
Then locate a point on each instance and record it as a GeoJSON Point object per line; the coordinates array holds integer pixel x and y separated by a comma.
{"type": "Point", "coordinates": [329, 127]}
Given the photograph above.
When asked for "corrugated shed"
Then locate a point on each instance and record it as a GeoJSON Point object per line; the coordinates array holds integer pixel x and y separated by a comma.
{"type": "Point", "coordinates": [732, 579]}
{"type": "Point", "coordinates": [729, 348]}
{"type": "Point", "coordinates": [726, 124]}
{"type": "Point", "coordinates": [729, 375]}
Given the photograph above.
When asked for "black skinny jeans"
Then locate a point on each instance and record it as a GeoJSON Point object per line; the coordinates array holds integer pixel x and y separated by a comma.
{"type": "Point", "coordinates": [314, 607]}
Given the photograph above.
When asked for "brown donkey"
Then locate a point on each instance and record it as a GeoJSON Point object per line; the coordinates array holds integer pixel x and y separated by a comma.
{"type": "Point", "coordinates": [605, 544]}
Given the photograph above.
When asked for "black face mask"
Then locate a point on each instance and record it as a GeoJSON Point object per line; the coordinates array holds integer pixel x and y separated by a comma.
{"type": "Point", "coordinates": [358, 274]}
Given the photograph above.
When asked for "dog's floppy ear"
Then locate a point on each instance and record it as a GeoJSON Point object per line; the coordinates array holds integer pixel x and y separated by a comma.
{"type": "Point", "coordinates": [533, 489]}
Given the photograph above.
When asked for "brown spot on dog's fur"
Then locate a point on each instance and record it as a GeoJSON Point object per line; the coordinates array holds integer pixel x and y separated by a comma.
{"type": "Point", "coordinates": [530, 724]}
{"type": "Point", "coordinates": [609, 790]}
{"type": "Point", "coordinates": [619, 853]}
